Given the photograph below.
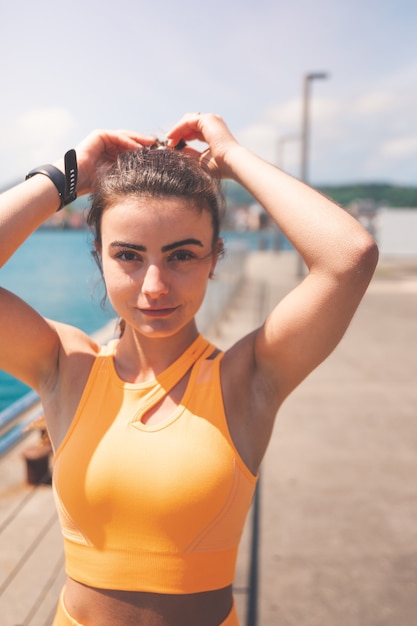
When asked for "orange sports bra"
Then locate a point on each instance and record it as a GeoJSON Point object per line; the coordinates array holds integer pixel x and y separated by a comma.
{"type": "Point", "coordinates": [157, 508]}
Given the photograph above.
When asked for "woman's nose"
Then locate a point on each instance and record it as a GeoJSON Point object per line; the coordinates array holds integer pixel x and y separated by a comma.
{"type": "Point", "coordinates": [154, 284]}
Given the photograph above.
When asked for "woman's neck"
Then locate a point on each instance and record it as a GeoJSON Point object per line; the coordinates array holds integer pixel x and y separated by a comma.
{"type": "Point", "coordinates": [139, 358]}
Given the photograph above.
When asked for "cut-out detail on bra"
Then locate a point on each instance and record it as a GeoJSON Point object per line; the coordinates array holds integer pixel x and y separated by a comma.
{"type": "Point", "coordinates": [165, 410]}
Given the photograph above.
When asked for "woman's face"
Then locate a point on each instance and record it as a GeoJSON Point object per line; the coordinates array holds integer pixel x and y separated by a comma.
{"type": "Point", "coordinates": [157, 255]}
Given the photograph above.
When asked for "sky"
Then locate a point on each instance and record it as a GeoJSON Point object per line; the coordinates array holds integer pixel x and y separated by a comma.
{"type": "Point", "coordinates": [67, 68]}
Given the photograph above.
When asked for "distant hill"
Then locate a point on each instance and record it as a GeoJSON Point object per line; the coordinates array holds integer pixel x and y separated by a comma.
{"type": "Point", "coordinates": [383, 194]}
{"type": "Point", "coordinates": [380, 193]}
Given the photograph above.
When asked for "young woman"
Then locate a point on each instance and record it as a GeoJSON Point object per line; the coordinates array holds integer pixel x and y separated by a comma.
{"type": "Point", "coordinates": [159, 436]}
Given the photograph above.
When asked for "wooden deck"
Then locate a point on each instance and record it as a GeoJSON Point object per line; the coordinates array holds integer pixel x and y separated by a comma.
{"type": "Point", "coordinates": [32, 561]}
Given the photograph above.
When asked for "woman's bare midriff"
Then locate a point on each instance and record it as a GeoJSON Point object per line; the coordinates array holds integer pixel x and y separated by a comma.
{"type": "Point", "coordinates": [104, 607]}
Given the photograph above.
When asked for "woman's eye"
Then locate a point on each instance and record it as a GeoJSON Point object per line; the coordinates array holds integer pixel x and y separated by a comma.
{"type": "Point", "coordinates": [181, 255]}
{"type": "Point", "coordinates": [127, 255]}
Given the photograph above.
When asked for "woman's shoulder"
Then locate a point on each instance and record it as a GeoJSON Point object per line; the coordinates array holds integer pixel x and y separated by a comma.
{"type": "Point", "coordinates": [73, 340]}
{"type": "Point", "coordinates": [76, 341]}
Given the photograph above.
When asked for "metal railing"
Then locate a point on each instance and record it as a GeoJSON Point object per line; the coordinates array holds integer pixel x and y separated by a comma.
{"type": "Point", "coordinates": [16, 418]}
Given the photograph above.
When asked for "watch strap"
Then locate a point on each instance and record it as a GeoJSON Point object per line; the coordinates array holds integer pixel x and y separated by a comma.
{"type": "Point", "coordinates": [66, 184]}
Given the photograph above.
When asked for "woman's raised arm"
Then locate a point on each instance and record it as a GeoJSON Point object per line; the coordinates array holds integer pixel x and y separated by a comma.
{"type": "Point", "coordinates": [29, 344]}
{"type": "Point", "coordinates": [340, 256]}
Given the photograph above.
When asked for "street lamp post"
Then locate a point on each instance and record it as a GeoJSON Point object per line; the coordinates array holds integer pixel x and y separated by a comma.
{"type": "Point", "coordinates": [305, 138]}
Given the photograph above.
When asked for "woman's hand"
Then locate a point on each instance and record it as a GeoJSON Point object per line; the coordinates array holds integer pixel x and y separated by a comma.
{"type": "Point", "coordinates": [101, 148]}
{"type": "Point", "coordinates": [210, 129]}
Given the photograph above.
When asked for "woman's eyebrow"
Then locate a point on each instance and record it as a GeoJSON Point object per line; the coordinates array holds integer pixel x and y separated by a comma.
{"type": "Point", "coordinates": [124, 244]}
{"type": "Point", "coordinates": [167, 248]}
{"type": "Point", "coordinates": [183, 242]}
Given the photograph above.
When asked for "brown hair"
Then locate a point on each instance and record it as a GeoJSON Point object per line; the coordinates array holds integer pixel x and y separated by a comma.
{"type": "Point", "coordinates": [162, 172]}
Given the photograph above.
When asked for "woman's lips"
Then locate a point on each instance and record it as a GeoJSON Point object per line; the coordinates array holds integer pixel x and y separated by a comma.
{"type": "Point", "coordinates": [158, 312]}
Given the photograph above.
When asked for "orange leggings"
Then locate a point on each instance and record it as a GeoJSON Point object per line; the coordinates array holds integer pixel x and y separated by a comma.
{"type": "Point", "coordinates": [63, 618]}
